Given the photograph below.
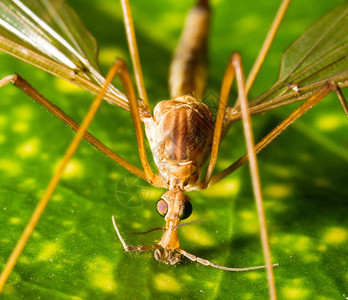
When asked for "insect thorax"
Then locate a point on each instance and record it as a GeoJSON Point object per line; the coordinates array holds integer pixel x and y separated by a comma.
{"type": "Point", "coordinates": [180, 136]}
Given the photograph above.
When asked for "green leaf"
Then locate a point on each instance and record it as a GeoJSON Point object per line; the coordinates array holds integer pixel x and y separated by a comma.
{"type": "Point", "coordinates": [74, 252]}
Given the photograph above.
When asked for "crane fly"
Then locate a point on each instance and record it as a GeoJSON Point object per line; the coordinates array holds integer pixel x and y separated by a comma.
{"type": "Point", "coordinates": [182, 133]}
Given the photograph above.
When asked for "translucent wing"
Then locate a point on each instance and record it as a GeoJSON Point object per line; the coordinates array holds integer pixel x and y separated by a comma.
{"type": "Point", "coordinates": [49, 35]}
{"type": "Point", "coordinates": [320, 54]}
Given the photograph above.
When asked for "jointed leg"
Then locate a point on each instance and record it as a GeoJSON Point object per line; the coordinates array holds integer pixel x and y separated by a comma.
{"type": "Point", "coordinates": [34, 94]}
{"type": "Point", "coordinates": [302, 109]}
{"type": "Point", "coordinates": [208, 263]}
{"type": "Point", "coordinates": [266, 44]}
{"type": "Point", "coordinates": [224, 93]}
{"type": "Point", "coordinates": [254, 171]}
{"type": "Point", "coordinates": [55, 179]}
{"type": "Point", "coordinates": [133, 103]}
{"type": "Point", "coordinates": [133, 49]}
{"type": "Point", "coordinates": [234, 68]}
{"type": "Point", "coordinates": [132, 248]}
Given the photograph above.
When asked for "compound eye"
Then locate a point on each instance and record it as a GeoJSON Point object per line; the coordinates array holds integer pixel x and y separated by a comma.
{"type": "Point", "coordinates": [162, 207]}
{"type": "Point", "coordinates": [185, 210]}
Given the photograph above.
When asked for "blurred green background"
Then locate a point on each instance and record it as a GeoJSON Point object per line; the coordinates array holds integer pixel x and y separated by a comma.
{"type": "Point", "coordinates": [74, 252]}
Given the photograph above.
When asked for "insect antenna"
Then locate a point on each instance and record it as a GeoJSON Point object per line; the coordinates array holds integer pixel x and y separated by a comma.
{"type": "Point", "coordinates": [153, 229]}
{"type": "Point", "coordinates": [189, 223]}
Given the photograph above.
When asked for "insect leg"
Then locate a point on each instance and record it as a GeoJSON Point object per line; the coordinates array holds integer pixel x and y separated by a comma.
{"type": "Point", "coordinates": [134, 109]}
{"type": "Point", "coordinates": [55, 179]}
{"type": "Point", "coordinates": [132, 248]}
{"type": "Point", "coordinates": [208, 263]}
{"type": "Point", "coordinates": [342, 100]}
{"type": "Point", "coordinates": [318, 95]}
{"type": "Point", "coordinates": [133, 49]}
{"type": "Point", "coordinates": [223, 99]}
{"type": "Point", "coordinates": [266, 44]}
{"type": "Point", "coordinates": [254, 171]}
{"type": "Point", "coordinates": [234, 68]}
{"type": "Point", "coordinates": [34, 94]}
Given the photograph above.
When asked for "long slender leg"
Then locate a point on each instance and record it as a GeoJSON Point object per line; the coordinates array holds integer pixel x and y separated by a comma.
{"type": "Point", "coordinates": [254, 171]}
{"type": "Point", "coordinates": [55, 179]}
{"type": "Point", "coordinates": [208, 263]}
{"type": "Point", "coordinates": [234, 68]}
{"type": "Point", "coordinates": [224, 92]}
{"type": "Point", "coordinates": [266, 44]}
{"type": "Point", "coordinates": [133, 49]}
{"type": "Point", "coordinates": [134, 108]}
{"type": "Point", "coordinates": [34, 94]}
{"type": "Point", "coordinates": [303, 108]}
{"type": "Point", "coordinates": [265, 47]}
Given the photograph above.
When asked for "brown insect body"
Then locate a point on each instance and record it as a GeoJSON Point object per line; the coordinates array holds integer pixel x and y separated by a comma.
{"type": "Point", "coordinates": [180, 135]}
{"type": "Point", "coordinates": [181, 130]}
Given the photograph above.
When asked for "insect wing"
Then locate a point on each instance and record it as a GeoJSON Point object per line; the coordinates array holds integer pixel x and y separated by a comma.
{"type": "Point", "coordinates": [320, 54]}
{"type": "Point", "coordinates": [49, 35]}
{"type": "Point", "coordinates": [325, 52]}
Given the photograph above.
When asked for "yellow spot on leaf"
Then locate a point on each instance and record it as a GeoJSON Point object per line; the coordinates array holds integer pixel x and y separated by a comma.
{"type": "Point", "coordinates": [2, 138]}
{"type": "Point", "coordinates": [295, 293]}
{"type": "Point", "coordinates": [335, 235]}
{"type": "Point", "coordinates": [250, 22]}
{"type": "Point", "coordinates": [23, 113]}
{"type": "Point", "coordinates": [147, 213]}
{"type": "Point", "coordinates": [322, 248]}
{"type": "Point", "coordinates": [277, 191]}
{"type": "Point", "coordinates": [29, 183]}
{"type": "Point", "coordinates": [137, 225]}
{"type": "Point", "coordinates": [297, 243]}
{"type": "Point", "coordinates": [57, 198]}
{"type": "Point", "coordinates": [187, 278]}
{"type": "Point", "coordinates": [280, 172]}
{"type": "Point", "coordinates": [25, 259]}
{"type": "Point", "coordinates": [197, 236]}
{"type": "Point", "coordinates": [69, 224]}
{"type": "Point", "coordinates": [73, 169]}
{"type": "Point", "coordinates": [20, 127]}
{"type": "Point", "coordinates": [249, 222]}
{"type": "Point", "coordinates": [114, 175]}
{"type": "Point", "coordinates": [29, 148]}
{"type": "Point", "coordinates": [15, 220]}
{"type": "Point", "coordinates": [49, 250]}
{"type": "Point", "coordinates": [346, 277]}
{"type": "Point", "coordinates": [101, 274]}
{"type": "Point", "coordinates": [3, 120]}
{"type": "Point", "coordinates": [248, 296]}
{"type": "Point", "coordinates": [254, 275]}
{"type": "Point", "coordinates": [166, 283]}
{"type": "Point", "coordinates": [10, 167]}
{"type": "Point", "coordinates": [247, 215]}
{"type": "Point", "coordinates": [210, 284]}
{"type": "Point", "coordinates": [227, 186]}
{"type": "Point", "coordinates": [329, 122]}
{"type": "Point", "coordinates": [310, 258]}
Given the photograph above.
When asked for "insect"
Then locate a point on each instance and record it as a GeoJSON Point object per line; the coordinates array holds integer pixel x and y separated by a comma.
{"type": "Point", "coordinates": [43, 255]}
